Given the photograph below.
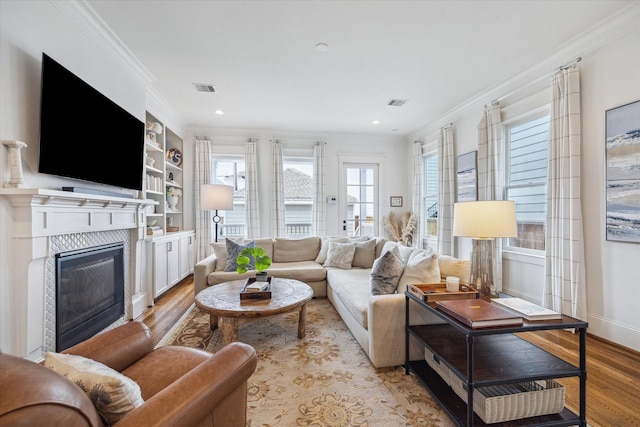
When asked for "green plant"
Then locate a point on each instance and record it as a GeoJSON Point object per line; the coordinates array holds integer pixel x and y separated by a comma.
{"type": "Point", "coordinates": [257, 255]}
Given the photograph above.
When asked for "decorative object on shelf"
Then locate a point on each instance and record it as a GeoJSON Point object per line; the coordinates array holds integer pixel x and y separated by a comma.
{"type": "Point", "coordinates": [396, 201]}
{"type": "Point", "coordinates": [153, 128]}
{"type": "Point", "coordinates": [150, 161]}
{"type": "Point", "coordinates": [254, 258]}
{"type": "Point", "coordinates": [623, 175]}
{"type": "Point", "coordinates": [173, 197]}
{"type": "Point", "coordinates": [400, 228]}
{"type": "Point", "coordinates": [15, 160]}
{"type": "Point", "coordinates": [174, 156]}
{"type": "Point", "coordinates": [484, 221]}
{"type": "Point", "coordinates": [214, 197]}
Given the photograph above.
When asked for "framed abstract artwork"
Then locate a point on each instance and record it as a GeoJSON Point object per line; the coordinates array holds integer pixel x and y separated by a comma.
{"type": "Point", "coordinates": [623, 173]}
{"type": "Point", "coordinates": [467, 177]}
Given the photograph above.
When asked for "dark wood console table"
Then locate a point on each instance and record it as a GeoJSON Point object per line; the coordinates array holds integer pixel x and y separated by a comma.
{"type": "Point", "coordinates": [471, 355]}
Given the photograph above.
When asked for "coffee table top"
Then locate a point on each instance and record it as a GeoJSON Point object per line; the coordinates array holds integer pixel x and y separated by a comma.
{"type": "Point", "coordinates": [224, 300]}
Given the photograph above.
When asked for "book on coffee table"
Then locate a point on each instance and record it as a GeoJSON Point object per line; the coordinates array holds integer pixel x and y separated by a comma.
{"type": "Point", "coordinates": [526, 309]}
{"type": "Point", "coordinates": [478, 313]}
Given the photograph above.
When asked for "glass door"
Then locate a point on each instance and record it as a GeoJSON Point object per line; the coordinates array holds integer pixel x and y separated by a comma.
{"type": "Point", "coordinates": [361, 201]}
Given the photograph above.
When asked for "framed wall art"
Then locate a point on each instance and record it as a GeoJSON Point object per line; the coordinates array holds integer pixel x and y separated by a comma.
{"type": "Point", "coordinates": [623, 173]}
{"type": "Point", "coordinates": [467, 177]}
{"type": "Point", "coordinates": [396, 201]}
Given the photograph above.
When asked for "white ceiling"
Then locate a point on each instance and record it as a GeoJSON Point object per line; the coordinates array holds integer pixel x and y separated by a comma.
{"type": "Point", "coordinates": [260, 56]}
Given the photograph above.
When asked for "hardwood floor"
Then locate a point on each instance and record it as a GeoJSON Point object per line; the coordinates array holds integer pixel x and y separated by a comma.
{"type": "Point", "coordinates": [613, 372]}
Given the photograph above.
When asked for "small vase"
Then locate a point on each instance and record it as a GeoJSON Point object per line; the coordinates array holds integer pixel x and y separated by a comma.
{"type": "Point", "coordinates": [173, 202]}
{"type": "Point", "coordinates": [261, 276]}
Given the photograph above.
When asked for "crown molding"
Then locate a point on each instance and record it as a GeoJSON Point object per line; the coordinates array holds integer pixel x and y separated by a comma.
{"type": "Point", "coordinates": [599, 35]}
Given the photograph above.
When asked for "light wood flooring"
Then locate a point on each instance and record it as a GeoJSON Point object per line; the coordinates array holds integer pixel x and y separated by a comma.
{"type": "Point", "coordinates": [613, 372]}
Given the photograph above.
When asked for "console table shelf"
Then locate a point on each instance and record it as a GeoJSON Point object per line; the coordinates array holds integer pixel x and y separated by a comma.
{"type": "Point", "coordinates": [492, 356]}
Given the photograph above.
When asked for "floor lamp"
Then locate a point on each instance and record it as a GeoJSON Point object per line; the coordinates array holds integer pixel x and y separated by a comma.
{"type": "Point", "coordinates": [484, 221]}
{"type": "Point", "coordinates": [214, 197]}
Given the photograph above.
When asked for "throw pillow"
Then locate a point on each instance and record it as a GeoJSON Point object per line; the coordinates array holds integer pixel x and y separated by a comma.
{"type": "Point", "coordinates": [385, 274]}
{"type": "Point", "coordinates": [324, 248]}
{"type": "Point", "coordinates": [422, 267]}
{"type": "Point", "coordinates": [112, 393]}
{"type": "Point", "coordinates": [365, 254]}
{"type": "Point", "coordinates": [340, 255]}
{"type": "Point", "coordinates": [233, 250]}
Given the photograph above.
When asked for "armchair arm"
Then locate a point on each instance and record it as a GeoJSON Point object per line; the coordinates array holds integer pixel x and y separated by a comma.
{"type": "Point", "coordinates": [117, 348]}
{"type": "Point", "coordinates": [215, 390]}
{"type": "Point", "coordinates": [201, 273]}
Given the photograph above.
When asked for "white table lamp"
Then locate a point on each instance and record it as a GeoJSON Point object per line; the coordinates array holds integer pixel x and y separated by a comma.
{"type": "Point", "coordinates": [214, 197]}
{"type": "Point", "coordinates": [484, 221]}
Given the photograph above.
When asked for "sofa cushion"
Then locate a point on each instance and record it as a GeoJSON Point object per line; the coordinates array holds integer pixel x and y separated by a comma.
{"type": "Point", "coordinates": [340, 255]}
{"type": "Point", "coordinates": [385, 274]}
{"type": "Point", "coordinates": [233, 250]}
{"type": "Point", "coordinates": [305, 271]}
{"type": "Point", "coordinates": [422, 267]}
{"type": "Point", "coordinates": [291, 250]}
{"type": "Point", "coordinates": [450, 266]}
{"type": "Point", "coordinates": [220, 251]}
{"type": "Point", "coordinates": [352, 288]}
{"type": "Point", "coordinates": [365, 254]}
{"type": "Point", "coordinates": [112, 393]}
{"type": "Point", "coordinates": [324, 247]}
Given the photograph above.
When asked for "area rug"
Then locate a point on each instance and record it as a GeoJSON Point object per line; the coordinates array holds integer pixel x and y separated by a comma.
{"type": "Point", "coordinates": [324, 379]}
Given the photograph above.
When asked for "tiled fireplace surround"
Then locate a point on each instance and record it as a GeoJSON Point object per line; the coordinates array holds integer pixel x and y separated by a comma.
{"type": "Point", "coordinates": [47, 222]}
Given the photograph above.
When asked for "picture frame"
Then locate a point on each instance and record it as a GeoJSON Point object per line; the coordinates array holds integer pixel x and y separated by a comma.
{"type": "Point", "coordinates": [622, 146]}
{"type": "Point", "coordinates": [467, 177]}
{"type": "Point", "coordinates": [396, 201]}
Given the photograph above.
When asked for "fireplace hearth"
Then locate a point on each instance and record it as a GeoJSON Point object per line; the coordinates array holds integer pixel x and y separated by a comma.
{"type": "Point", "coordinates": [89, 292]}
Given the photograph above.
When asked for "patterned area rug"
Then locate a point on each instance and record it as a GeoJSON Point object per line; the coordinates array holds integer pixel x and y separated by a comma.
{"type": "Point", "coordinates": [324, 379]}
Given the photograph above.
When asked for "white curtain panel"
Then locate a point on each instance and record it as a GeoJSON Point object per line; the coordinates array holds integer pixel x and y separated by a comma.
{"type": "Point", "coordinates": [319, 210]}
{"type": "Point", "coordinates": [446, 191]}
{"type": "Point", "coordinates": [490, 173]}
{"type": "Point", "coordinates": [204, 219]}
{"type": "Point", "coordinates": [277, 192]}
{"type": "Point", "coordinates": [416, 193]}
{"type": "Point", "coordinates": [565, 284]}
{"type": "Point", "coordinates": [252, 202]}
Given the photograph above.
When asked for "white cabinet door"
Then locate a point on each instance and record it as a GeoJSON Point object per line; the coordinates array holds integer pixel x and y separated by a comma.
{"type": "Point", "coordinates": [166, 259]}
{"type": "Point", "coordinates": [186, 254]}
{"type": "Point", "coordinates": [173, 261]}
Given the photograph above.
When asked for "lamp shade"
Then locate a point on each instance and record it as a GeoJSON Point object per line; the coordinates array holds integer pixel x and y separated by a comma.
{"type": "Point", "coordinates": [485, 219]}
{"type": "Point", "coordinates": [216, 197]}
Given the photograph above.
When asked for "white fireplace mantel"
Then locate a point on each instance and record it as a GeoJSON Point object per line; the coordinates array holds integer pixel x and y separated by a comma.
{"type": "Point", "coordinates": [40, 214]}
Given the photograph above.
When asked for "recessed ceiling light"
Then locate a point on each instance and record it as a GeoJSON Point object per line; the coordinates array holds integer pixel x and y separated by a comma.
{"type": "Point", "coordinates": [219, 112]}
{"type": "Point", "coordinates": [322, 47]}
{"type": "Point", "coordinates": [375, 122]}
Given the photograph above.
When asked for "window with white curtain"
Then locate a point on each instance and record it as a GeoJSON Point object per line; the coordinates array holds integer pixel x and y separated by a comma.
{"type": "Point", "coordinates": [527, 143]}
{"type": "Point", "coordinates": [298, 195]}
{"type": "Point", "coordinates": [230, 170]}
{"type": "Point", "coordinates": [430, 196]}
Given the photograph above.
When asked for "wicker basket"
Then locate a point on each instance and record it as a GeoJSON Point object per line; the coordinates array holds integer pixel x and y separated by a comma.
{"type": "Point", "coordinates": [513, 401]}
{"type": "Point", "coordinates": [505, 402]}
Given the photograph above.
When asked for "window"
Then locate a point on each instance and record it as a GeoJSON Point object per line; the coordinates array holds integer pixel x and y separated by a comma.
{"type": "Point", "coordinates": [361, 202]}
{"type": "Point", "coordinates": [230, 170]}
{"type": "Point", "coordinates": [430, 195]}
{"type": "Point", "coordinates": [526, 184]}
{"type": "Point", "coordinates": [298, 195]}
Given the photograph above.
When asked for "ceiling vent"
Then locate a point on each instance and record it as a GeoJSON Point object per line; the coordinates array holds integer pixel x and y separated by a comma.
{"type": "Point", "coordinates": [397, 102]}
{"type": "Point", "coordinates": [202, 87]}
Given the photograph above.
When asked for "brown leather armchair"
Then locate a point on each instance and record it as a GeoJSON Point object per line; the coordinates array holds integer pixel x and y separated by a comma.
{"type": "Point", "coordinates": [180, 386]}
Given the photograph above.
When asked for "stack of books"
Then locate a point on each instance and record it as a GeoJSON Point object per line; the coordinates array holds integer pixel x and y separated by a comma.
{"type": "Point", "coordinates": [152, 230]}
{"type": "Point", "coordinates": [257, 287]}
{"type": "Point", "coordinates": [478, 313]}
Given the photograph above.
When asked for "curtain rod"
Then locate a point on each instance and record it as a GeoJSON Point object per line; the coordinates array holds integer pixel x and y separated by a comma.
{"type": "Point", "coordinates": [555, 70]}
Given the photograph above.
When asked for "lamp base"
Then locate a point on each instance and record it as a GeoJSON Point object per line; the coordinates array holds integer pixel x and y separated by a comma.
{"type": "Point", "coordinates": [482, 267]}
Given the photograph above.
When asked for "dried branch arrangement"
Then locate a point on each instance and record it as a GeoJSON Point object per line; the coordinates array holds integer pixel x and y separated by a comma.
{"type": "Point", "coordinates": [400, 228]}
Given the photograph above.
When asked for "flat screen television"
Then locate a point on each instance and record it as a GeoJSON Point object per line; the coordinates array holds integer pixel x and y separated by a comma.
{"type": "Point", "coordinates": [84, 135]}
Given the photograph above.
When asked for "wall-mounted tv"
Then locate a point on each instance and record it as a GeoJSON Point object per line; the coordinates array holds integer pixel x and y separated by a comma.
{"type": "Point", "coordinates": [84, 135]}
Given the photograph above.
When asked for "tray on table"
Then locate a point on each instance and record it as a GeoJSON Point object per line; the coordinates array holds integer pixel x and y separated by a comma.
{"type": "Point", "coordinates": [432, 292]}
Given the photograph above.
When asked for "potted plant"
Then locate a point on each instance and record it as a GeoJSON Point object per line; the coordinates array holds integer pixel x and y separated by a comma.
{"type": "Point", "coordinates": [254, 258]}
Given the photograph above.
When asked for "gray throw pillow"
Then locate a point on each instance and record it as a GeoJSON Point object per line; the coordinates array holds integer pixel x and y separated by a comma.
{"type": "Point", "coordinates": [340, 255]}
{"type": "Point", "coordinates": [233, 250]}
{"type": "Point", "coordinates": [385, 274]}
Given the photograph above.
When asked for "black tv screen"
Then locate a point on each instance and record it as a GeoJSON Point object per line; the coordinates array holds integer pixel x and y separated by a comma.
{"type": "Point", "coordinates": [84, 135]}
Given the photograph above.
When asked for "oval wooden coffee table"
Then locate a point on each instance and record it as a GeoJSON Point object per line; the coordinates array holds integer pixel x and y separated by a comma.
{"type": "Point", "coordinates": [223, 303]}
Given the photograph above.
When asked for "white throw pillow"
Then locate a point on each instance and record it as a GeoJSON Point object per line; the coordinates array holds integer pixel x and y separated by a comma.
{"type": "Point", "coordinates": [112, 393]}
{"type": "Point", "coordinates": [340, 255]}
{"type": "Point", "coordinates": [385, 274]}
{"type": "Point", "coordinates": [324, 248]}
{"type": "Point", "coordinates": [422, 267]}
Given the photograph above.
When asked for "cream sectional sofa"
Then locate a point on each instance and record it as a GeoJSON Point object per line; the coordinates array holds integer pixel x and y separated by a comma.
{"type": "Point", "coordinates": [376, 321]}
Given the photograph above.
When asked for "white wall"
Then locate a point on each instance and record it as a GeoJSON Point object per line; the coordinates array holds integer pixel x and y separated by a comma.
{"type": "Point", "coordinates": [610, 77]}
